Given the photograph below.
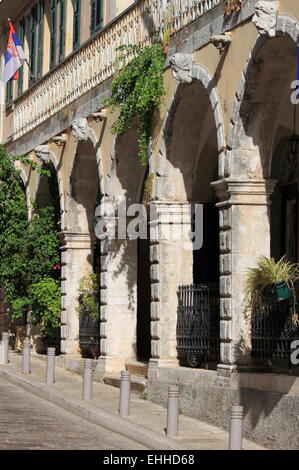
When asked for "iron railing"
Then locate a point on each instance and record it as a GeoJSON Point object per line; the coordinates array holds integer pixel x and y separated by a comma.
{"type": "Point", "coordinates": [272, 332]}
{"type": "Point", "coordinates": [198, 320]}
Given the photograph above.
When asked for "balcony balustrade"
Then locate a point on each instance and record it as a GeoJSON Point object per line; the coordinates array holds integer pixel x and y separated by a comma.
{"type": "Point", "coordinates": [95, 61]}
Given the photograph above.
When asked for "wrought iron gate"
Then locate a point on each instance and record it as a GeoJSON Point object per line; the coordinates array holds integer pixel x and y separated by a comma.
{"type": "Point", "coordinates": [198, 320]}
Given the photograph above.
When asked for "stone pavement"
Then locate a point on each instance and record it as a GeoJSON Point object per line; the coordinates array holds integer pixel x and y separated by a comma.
{"type": "Point", "coordinates": [31, 423]}
{"type": "Point", "coordinates": [147, 420]}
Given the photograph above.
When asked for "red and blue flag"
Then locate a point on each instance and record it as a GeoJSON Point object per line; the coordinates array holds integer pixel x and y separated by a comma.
{"type": "Point", "coordinates": [14, 56]}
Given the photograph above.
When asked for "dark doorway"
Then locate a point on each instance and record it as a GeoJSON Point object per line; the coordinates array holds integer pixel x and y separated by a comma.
{"type": "Point", "coordinates": [143, 301]}
{"type": "Point", "coordinates": [206, 260]}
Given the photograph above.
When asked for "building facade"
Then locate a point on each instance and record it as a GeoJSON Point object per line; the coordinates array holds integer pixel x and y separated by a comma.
{"type": "Point", "coordinates": [221, 139]}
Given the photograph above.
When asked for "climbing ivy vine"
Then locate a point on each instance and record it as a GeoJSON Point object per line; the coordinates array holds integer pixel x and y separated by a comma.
{"type": "Point", "coordinates": [137, 90]}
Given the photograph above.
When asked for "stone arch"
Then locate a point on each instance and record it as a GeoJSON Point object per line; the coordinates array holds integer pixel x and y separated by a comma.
{"type": "Point", "coordinates": [164, 171]}
{"type": "Point", "coordinates": [240, 134]}
{"type": "Point", "coordinates": [80, 252]}
{"type": "Point", "coordinates": [246, 186]}
{"type": "Point", "coordinates": [120, 270]}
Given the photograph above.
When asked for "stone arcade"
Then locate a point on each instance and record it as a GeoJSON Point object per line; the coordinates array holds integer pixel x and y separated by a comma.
{"type": "Point", "coordinates": [218, 140]}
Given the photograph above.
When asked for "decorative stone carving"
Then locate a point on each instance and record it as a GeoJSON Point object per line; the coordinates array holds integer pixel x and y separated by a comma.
{"type": "Point", "coordinates": [80, 129]}
{"type": "Point", "coordinates": [59, 140]}
{"type": "Point", "coordinates": [221, 41]}
{"type": "Point", "coordinates": [43, 153]}
{"type": "Point", "coordinates": [100, 115]}
{"type": "Point", "coordinates": [265, 17]}
{"type": "Point", "coordinates": [181, 65]}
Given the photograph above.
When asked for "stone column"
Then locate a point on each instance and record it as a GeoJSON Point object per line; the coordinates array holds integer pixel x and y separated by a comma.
{"type": "Point", "coordinates": [171, 260]}
{"type": "Point", "coordinates": [118, 302]}
{"type": "Point", "coordinates": [244, 237]}
{"type": "Point", "coordinates": [76, 262]}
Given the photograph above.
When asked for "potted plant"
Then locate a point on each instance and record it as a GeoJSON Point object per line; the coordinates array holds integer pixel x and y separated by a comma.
{"type": "Point", "coordinates": [270, 281]}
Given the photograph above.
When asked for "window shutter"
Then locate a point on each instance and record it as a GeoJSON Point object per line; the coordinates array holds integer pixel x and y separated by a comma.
{"type": "Point", "coordinates": [21, 71]}
{"type": "Point", "coordinates": [9, 93]}
{"type": "Point", "coordinates": [93, 12]}
{"type": "Point", "coordinates": [61, 30]}
{"type": "Point", "coordinates": [96, 16]}
{"type": "Point", "coordinates": [99, 14]}
{"type": "Point", "coordinates": [32, 43]}
{"type": "Point", "coordinates": [40, 29]}
{"type": "Point", "coordinates": [53, 21]}
{"type": "Point", "coordinates": [76, 25]}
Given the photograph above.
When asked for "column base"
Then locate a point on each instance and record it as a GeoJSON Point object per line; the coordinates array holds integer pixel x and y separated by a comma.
{"type": "Point", "coordinates": [70, 348]}
{"type": "Point", "coordinates": [110, 364]}
{"type": "Point", "coordinates": [155, 364]}
{"type": "Point", "coordinates": [225, 370]}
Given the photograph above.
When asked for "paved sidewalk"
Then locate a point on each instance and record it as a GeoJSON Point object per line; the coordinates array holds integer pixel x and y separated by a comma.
{"type": "Point", "coordinates": [146, 422]}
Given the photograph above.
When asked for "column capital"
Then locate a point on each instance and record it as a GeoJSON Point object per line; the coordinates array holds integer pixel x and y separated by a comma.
{"type": "Point", "coordinates": [79, 241]}
{"type": "Point", "coordinates": [232, 191]}
{"type": "Point", "coordinates": [161, 210]}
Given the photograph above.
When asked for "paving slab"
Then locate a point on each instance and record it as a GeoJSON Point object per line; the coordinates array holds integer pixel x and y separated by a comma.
{"type": "Point", "coordinates": [147, 420]}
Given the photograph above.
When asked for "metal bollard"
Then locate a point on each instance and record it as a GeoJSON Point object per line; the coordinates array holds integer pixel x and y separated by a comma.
{"type": "Point", "coordinates": [236, 428]}
{"type": "Point", "coordinates": [124, 396]}
{"type": "Point", "coordinates": [5, 337]}
{"type": "Point", "coordinates": [50, 366]}
{"type": "Point", "coordinates": [26, 356]}
{"type": "Point", "coordinates": [173, 411]}
{"type": "Point", "coordinates": [87, 379]}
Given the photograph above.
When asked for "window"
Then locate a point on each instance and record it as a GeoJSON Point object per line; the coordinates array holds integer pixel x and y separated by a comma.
{"type": "Point", "coordinates": [32, 43]}
{"type": "Point", "coordinates": [96, 16]}
{"type": "Point", "coordinates": [53, 25]}
{"type": "Point", "coordinates": [57, 28]}
{"type": "Point", "coordinates": [36, 41]}
{"type": "Point", "coordinates": [76, 23]}
{"type": "Point", "coordinates": [9, 93]}
{"type": "Point", "coordinates": [61, 30]}
{"type": "Point", "coordinates": [21, 71]}
{"type": "Point", "coordinates": [40, 30]}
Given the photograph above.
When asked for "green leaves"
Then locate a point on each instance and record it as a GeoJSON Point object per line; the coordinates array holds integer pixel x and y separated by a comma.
{"type": "Point", "coordinates": [137, 91]}
{"type": "Point", "coordinates": [89, 295]}
{"type": "Point", "coordinates": [45, 304]}
{"type": "Point", "coordinates": [268, 272]}
{"type": "Point", "coordinates": [28, 249]}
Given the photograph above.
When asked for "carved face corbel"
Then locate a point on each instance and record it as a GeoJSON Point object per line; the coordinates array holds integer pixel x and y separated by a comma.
{"type": "Point", "coordinates": [265, 17]}
{"type": "Point", "coordinates": [181, 65]}
{"type": "Point", "coordinates": [43, 153]}
{"type": "Point", "coordinates": [80, 129]}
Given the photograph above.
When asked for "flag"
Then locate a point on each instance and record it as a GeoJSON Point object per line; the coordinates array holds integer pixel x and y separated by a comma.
{"type": "Point", "coordinates": [14, 56]}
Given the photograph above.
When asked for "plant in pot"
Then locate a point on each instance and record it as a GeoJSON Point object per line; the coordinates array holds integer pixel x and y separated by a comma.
{"type": "Point", "coordinates": [88, 309]}
{"type": "Point", "coordinates": [271, 281]}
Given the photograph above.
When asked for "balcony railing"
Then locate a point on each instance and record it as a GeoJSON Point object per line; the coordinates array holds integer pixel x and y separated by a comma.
{"type": "Point", "coordinates": [94, 61]}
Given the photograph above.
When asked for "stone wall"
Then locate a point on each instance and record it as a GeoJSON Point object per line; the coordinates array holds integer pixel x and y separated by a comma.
{"type": "Point", "coordinates": [271, 411]}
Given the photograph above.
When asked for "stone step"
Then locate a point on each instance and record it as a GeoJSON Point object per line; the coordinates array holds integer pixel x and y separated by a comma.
{"type": "Point", "coordinates": [138, 383]}
{"type": "Point", "coordinates": [137, 368]}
